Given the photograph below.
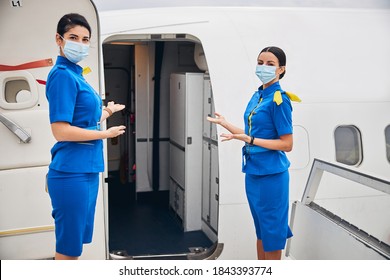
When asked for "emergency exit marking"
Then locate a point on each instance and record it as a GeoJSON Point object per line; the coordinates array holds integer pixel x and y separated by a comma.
{"type": "Point", "coordinates": [16, 4]}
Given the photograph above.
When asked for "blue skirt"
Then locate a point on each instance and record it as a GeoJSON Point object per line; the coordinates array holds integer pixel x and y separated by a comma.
{"type": "Point", "coordinates": [268, 197]}
{"type": "Point", "coordinates": [73, 198]}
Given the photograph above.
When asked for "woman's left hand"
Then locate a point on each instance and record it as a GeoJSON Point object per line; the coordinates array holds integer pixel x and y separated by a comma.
{"type": "Point", "coordinates": [227, 137]}
{"type": "Point", "coordinates": [115, 107]}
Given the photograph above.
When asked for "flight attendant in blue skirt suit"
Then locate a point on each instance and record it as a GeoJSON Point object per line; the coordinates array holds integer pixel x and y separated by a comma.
{"type": "Point", "coordinates": [75, 111]}
{"type": "Point", "coordinates": [268, 135]}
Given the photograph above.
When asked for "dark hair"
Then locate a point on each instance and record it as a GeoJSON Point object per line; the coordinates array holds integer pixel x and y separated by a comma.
{"type": "Point", "coordinates": [69, 21]}
{"type": "Point", "coordinates": [280, 55]}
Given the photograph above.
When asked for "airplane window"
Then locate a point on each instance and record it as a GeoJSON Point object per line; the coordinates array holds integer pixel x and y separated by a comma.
{"type": "Point", "coordinates": [13, 88]}
{"type": "Point", "coordinates": [348, 145]}
{"type": "Point", "coordinates": [387, 137]}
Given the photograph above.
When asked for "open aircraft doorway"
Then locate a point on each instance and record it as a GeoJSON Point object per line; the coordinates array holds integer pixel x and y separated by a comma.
{"type": "Point", "coordinates": [163, 173]}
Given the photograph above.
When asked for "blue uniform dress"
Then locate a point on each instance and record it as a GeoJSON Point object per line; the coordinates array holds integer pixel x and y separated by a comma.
{"type": "Point", "coordinates": [73, 176]}
{"type": "Point", "coordinates": [267, 177]}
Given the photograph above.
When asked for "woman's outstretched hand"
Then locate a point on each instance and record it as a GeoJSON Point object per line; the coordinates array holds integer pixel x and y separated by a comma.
{"type": "Point", "coordinates": [115, 131]}
{"type": "Point", "coordinates": [114, 107]}
{"type": "Point", "coordinates": [235, 132]}
{"type": "Point", "coordinates": [229, 136]}
{"type": "Point", "coordinates": [219, 119]}
{"type": "Point", "coordinates": [226, 136]}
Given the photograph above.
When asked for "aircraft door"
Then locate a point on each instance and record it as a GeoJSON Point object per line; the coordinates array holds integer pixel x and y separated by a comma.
{"type": "Point", "coordinates": [27, 53]}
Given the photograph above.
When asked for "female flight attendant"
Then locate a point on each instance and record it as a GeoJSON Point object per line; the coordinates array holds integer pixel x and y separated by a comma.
{"type": "Point", "coordinates": [267, 136]}
{"type": "Point", "coordinates": [75, 111]}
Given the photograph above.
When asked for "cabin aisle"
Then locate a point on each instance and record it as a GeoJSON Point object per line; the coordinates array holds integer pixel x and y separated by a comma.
{"type": "Point", "coordinates": [146, 226]}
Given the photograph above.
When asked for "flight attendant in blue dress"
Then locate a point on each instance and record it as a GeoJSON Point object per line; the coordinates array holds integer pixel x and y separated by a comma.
{"type": "Point", "coordinates": [75, 111]}
{"type": "Point", "coordinates": [268, 134]}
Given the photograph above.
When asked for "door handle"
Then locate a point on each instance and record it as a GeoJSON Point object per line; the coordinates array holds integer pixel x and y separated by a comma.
{"type": "Point", "coordinates": [16, 129]}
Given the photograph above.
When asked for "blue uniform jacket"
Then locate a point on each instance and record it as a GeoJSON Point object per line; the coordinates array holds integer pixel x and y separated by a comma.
{"type": "Point", "coordinates": [265, 118]}
{"type": "Point", "coordinates": [73, 100]}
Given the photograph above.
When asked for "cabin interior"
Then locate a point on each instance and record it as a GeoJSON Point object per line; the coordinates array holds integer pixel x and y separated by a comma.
{"type": "Point", "coordinates": [163, 172]}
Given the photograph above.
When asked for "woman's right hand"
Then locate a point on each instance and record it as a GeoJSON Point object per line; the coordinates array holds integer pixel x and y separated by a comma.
{"type": "Point", "coordinates": [115, 131]}
{"type": "Point", "coordinates": [219, 119]}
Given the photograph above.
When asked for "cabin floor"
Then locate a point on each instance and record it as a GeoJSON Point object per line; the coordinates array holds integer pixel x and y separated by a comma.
{"type": "Point", "coordinates": [144, 224]}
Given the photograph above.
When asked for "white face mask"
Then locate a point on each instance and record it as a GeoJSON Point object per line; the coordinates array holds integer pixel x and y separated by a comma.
{"type": "Point", "coordinates": [74, 51]}
{"type": "Point", "coordinates": [266, 73]}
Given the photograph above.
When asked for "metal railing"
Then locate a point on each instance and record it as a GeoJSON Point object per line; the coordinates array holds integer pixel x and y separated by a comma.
{"type": "Point", "coordinates": [312, 185]}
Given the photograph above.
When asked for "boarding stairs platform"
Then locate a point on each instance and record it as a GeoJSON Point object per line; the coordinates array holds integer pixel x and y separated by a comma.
{"type": "Point", "coordinates": [320, 234]}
